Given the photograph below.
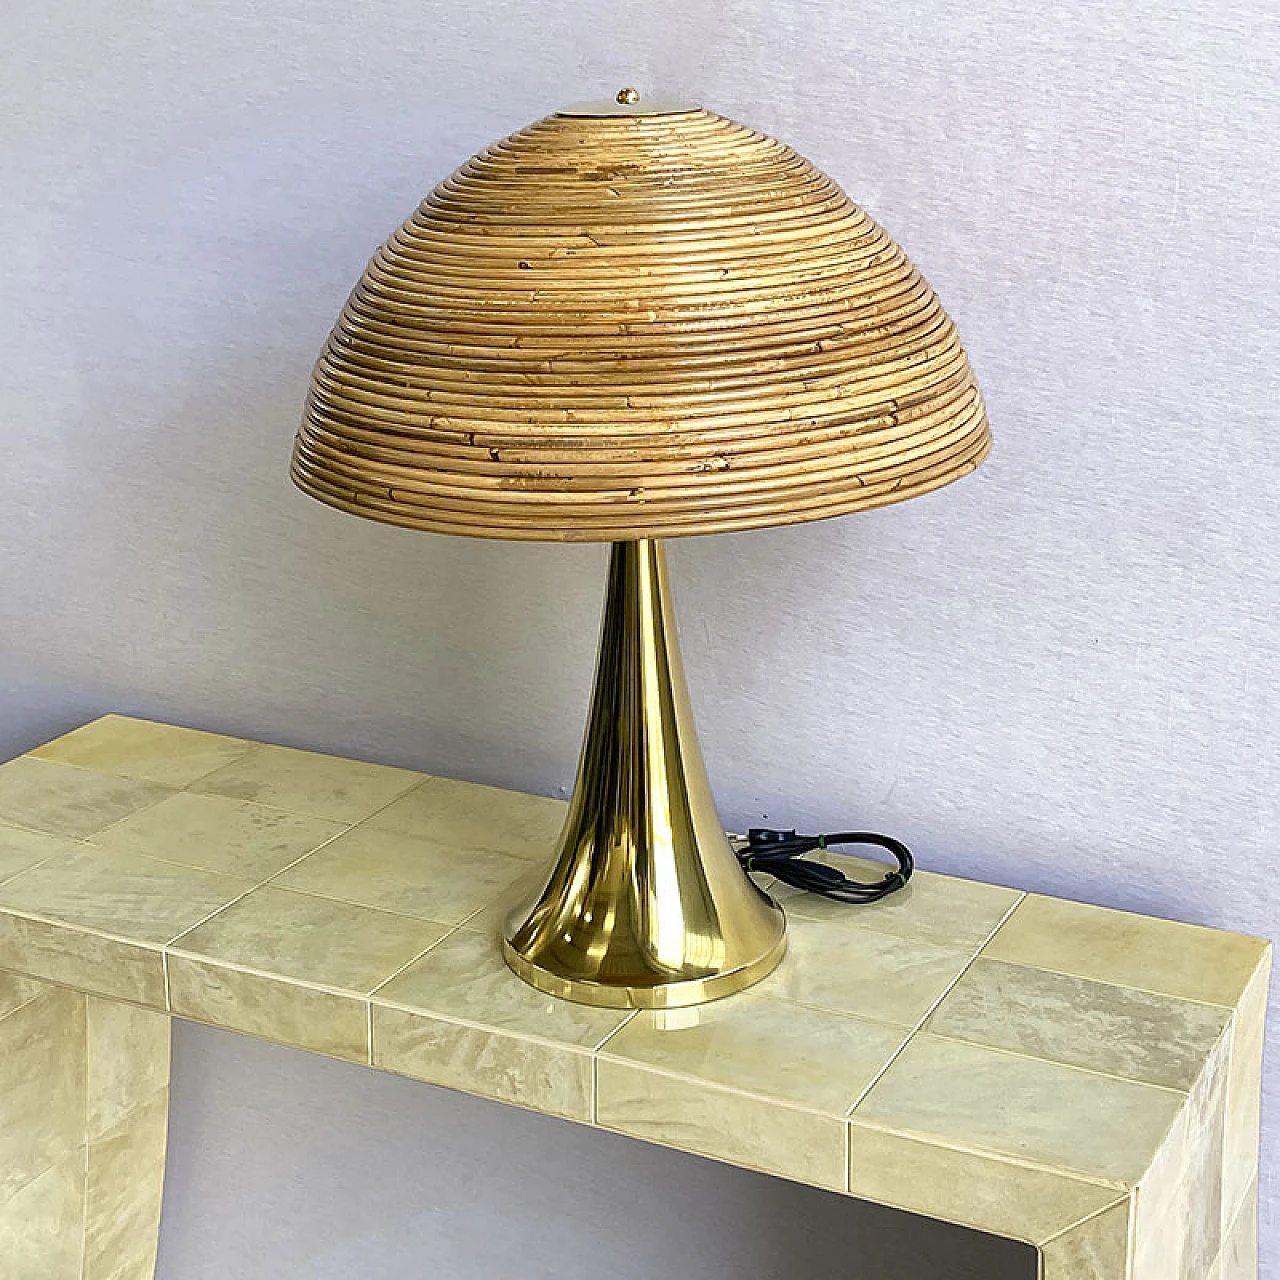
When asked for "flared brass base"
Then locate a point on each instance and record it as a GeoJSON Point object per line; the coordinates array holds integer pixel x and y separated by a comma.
{"type": "Point", "coordinates": [662, 995]}
{"type": "Point", "coordinates": [647, 906]}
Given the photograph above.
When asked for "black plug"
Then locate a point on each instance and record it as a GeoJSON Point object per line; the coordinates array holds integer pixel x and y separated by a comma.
{"type": "Point", "coordinates": [757, 836]}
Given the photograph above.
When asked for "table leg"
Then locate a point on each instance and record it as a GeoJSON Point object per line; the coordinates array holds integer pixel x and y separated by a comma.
{"type": "Point", "coordinates": [84, 1106]}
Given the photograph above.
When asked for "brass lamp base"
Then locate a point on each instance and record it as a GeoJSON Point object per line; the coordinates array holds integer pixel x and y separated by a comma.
{"type": "Point", "coordinates": [647, 906]}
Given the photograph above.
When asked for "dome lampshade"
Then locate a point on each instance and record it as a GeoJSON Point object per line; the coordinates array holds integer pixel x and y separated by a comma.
{"type": "Point", "coordinates": [636, 325]}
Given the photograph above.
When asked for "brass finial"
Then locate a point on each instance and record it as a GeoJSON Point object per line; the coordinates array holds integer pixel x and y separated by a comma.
{"type": "Point", "coordinates": [627, 97]}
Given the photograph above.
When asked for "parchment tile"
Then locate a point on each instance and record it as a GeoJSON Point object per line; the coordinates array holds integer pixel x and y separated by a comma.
{"type": "Point", "coordinates": [465, 977]}
{"type": "Point", "coordinates": [124, 894]}
{"type": "Point", "coordinates": [86, 961]}
{"type": "Point", "coordinates": [459, 1017]}
{"type": "Point", "coordinates": [1056, 1116]}
{"type": "Point", "coordinates": [1179, 1202]}
{"type": "Point", "coordinates": [1164, 956]}
{"type": "Point", "coordinates": [466, 817]}
{"type": "Point", "coordinates": [519, 893]}
{"type": "Point", "coordinates": [281, 1010]}
{"type": "Point", "coordinates": [538, 1074]}
{"type": "Point", "coordinates": [1239, 1257]}
{"type": "Point", "coordinates": [1117, 1030]}
{"type": "Point", "coordinates": [16, 990]}
{"type": "Point", "coordinates": [1206, 1124]}
{"type": "Point", "coordinates": [293, 968]}
{"type": "Point", "coordinates": [932, 908]}
{"type": "Point", "coordinates": [837, 964]}
{"type": "Point", "coordinates": [64, 800]}
{"type": "Point", "coordinates": [144, 749]}
{"type": "Point", "coordinates": [122, 1205]}
{"type": "Point", "coordinates": [22, 849]}
{"type": "Point", "coordinates": [1160, 1230]}
{"type": "Point", "coordinates": [740, 1128]}
{"type": "Point", "coordinates": [40, 1236]}
{"type": "Point", "coordinates": [216, 833]}
{"type": "Point", "coordinates": [987, 1193]}
{"type": "Point", "coordinates": [817, 1059]}
{"type": "Point", "coordinates": [395, 872]}
{"type": "Point", "coordinates": [1244, 1093]}
{"type": "Point", "coordinates": [315, 940]}
{"type": "Point", "coordinates": [309, 783]}
{"type": "Point", "coordinates": [1095, 1250]}
{"type": "Point", "coordinates": [128, 1060]}
{"type": "Point", "coordinates": [42, 1086]}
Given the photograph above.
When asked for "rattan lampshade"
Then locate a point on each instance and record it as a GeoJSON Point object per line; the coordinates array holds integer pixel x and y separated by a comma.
{"type": "Point", "coordinates": [641, 324]}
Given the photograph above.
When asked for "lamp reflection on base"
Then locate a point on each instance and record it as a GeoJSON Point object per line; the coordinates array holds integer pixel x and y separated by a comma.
{"type": "Point", "coordinates": [647, 906]}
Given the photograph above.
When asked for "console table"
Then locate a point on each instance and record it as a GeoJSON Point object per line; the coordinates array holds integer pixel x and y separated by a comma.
{"type": "Point", "coordinates": [1081, 1079]}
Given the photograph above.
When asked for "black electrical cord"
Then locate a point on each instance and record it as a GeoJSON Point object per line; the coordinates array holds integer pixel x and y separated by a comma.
{"type": "Point", "coordinates": [779, 852]}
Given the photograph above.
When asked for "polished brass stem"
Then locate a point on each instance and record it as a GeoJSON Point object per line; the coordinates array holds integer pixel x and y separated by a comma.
{"type": "Point", "coordinates": [646, 905]}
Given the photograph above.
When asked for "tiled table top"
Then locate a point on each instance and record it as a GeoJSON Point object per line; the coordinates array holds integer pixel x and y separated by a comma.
{"type": "Point", "coordinates": [1007, 1061]}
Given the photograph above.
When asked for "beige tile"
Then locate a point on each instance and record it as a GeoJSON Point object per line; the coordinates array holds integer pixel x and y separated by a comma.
{"type": "Point", "coordinates": [128, 1060]}
{"type": "Point", "coordinates": [122, 1204]}
{"type": "Point", "coordinates": [838, 965]}
{"type": "Point", "coordinates": [1057, 1116]}
{"type": "Point", "coordinates": [943, 910]}
{"type": "Point", "coordinates": [1097, 1025]}
{"type": "Point", "coordinates": [520, 894]}
{"type": "Point", "coordinates": [277, 932]}
{"type": "Point", "coordinates": [22, 849]}
{"type": "Point", "coordinates": [127, 895]}
{"type": "Point", "coordinates": [1095, 1250]}
{"type": "Point", "coordinates": [15, 991]}
{"type": "Point", "coordinates": [1159, 1245]}
{"type": "Point", "coordinates": [529, 1073]}
{"type": "Point", "coordinates": [1206, 1125]}
{"type": "Point", "coordinates": [467, 817]}
{"type": "Point", "coordinates": [40, 1235]}
{"type": "Point", "coordinates": [739, 1128]}
{"type": "Point", "coordinates": [1164, 956]}
{"type": "Point", "coordinates": [309, 783]}
{"type": "Point", "coordinates": [1178, 1223]}
{"type": "Point", "coordinates": [465, 977]}
{"type": "Point", "coordinates": [459, 1017]}
{"type": "Point", "coordinates": [42, 1086]}
{"type": "Point", "coordinates": [783, 1052]}
{"type": "Point", "coordinates": [144, 749]}
{"type": "Point", "coordinates": [1244, 1093]}
{"type": "Point", "coordinates": [999, 1196]}
{"type": "Point", "coordinates": [86, 961]}
{"type": "Point", "coordinates": [216, 833]}
{"type": "Point", "coordinates": [1239, 1257]}
{"type": "Point", "coordinates": [276, 1009]}
{"type": "Point", "coordinates": [400, 873]}
{"type": "Point", "coordinates": [67, 801]}
{"type": "Point", "coordinates": [294, 944]}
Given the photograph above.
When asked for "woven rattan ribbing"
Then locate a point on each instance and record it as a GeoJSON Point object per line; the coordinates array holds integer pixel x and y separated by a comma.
{"type": "Point", "coordinates": [636, 326]}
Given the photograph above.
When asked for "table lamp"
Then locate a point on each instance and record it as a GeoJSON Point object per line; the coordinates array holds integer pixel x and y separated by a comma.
{"type": "Point", "coordinates": [634, 321]}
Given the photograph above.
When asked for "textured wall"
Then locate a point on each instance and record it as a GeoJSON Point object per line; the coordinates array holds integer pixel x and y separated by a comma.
{"type": "Point", "coordinates": [1061, 673]}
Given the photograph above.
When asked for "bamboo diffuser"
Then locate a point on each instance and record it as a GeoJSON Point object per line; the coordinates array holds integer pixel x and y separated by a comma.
{"type": "Point", "coordinates": [627, 322]}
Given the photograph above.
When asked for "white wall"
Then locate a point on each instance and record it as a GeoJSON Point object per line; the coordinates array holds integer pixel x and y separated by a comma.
{"type": "Point", "coordinates": [1062, 673]}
